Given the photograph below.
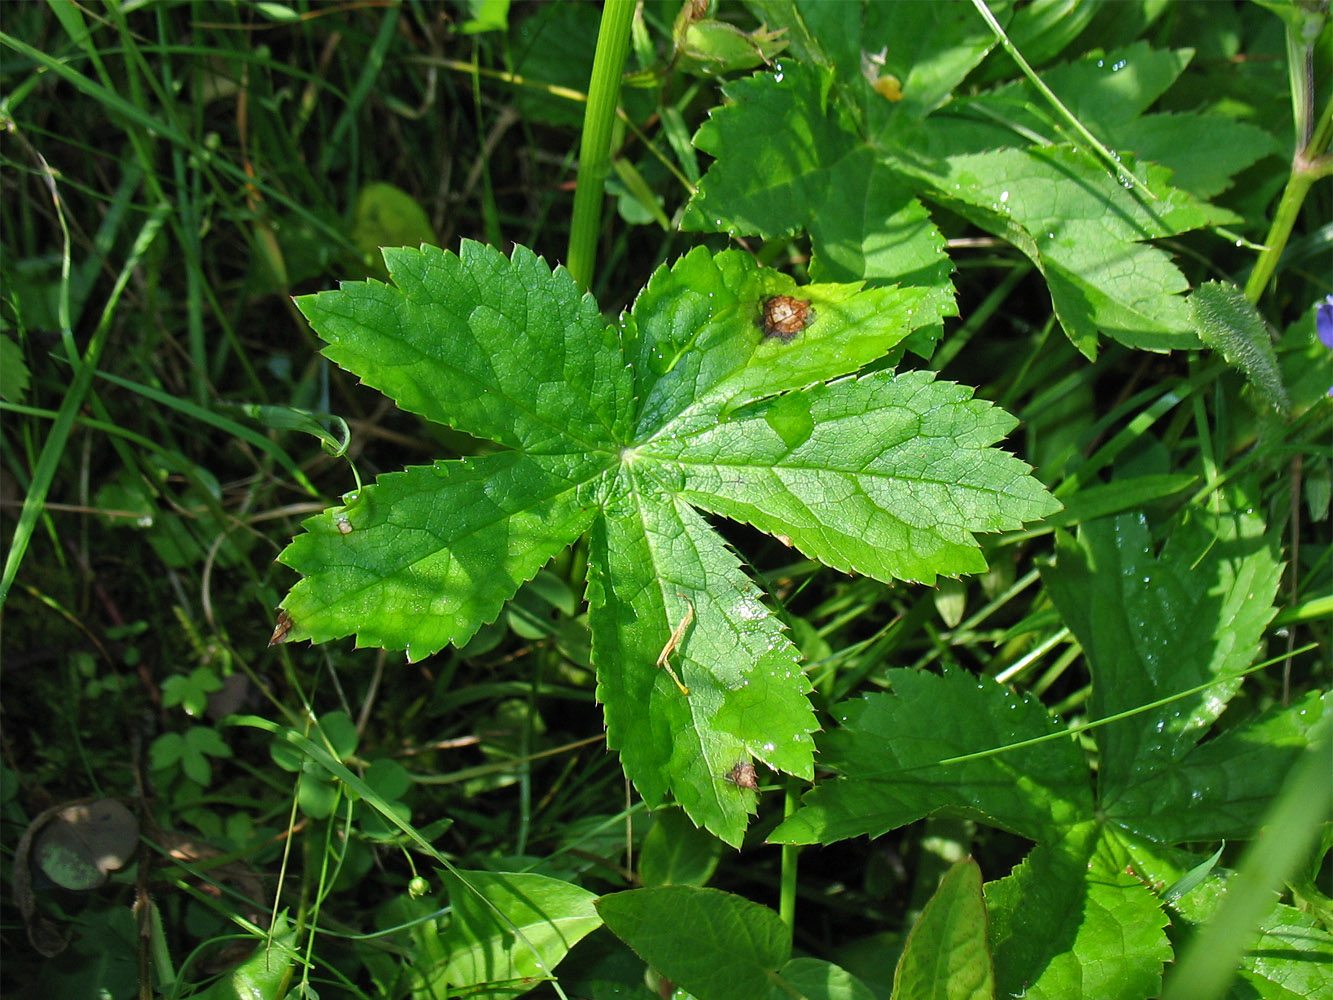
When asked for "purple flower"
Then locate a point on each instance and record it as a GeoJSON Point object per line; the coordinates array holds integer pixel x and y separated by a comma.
{"type": "Point", "coordinates": [1323, 324]}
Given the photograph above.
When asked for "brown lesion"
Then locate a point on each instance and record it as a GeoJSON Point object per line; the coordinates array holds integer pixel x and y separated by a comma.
{"type": "Point", "coordinates": [784, 317]}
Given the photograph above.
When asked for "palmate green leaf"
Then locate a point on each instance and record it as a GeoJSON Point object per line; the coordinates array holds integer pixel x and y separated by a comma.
{"type": "Point", "coordinates": [622, 432]}
{"type": "Point", "coordinates": [1152, 626]}
{"type": "Point", "coordinates": [887, 751]}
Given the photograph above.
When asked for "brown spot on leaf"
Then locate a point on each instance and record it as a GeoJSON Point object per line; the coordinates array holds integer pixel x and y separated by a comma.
{"type": "Point", "coordinates": [784, 317]}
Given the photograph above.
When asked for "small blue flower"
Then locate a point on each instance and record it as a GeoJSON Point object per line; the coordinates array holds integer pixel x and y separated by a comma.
{"type": "Point", "coordinates": [1323, 324]}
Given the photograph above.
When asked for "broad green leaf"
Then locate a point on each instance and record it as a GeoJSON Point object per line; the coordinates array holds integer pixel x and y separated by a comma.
{"type": "Point", "coordinates": [1204, 152]}
{"type": "Point", "coordinates": [387, 216]}
{"type": "Point", "coordinates": [501, 347]}
{"type": "Point", "coordinates": [625, 432]}
{"type": "Point", "coordinates": [793, 152]}
{"type": "Point", "coordinates": [1229, 323]}
{"type": "Point", "coordinates": [709, 943]}
{"type": "Point", "coordinates": [1080, 930]}
{"type": "Point", "coordinates": [1083, 230]}
{"type": "Point", "coordinates": [813, 979]}
{"type": "Point", "coordinates": [1105, 89]}
{"type": "Point", "coordinates": [857, 41]}
{"type": "Point", "coordinates": [266, 974]}
{"type": "Point", "coordinates": [887, 750]}
{"type": "Point", "coordinates": [947, 955]}
{"type": "Point", "coordinates": [434, 551]}
{"type": "Point", "coordinates": [1153, 626]}
{"type": "Point", "coordinates": [511, 927]}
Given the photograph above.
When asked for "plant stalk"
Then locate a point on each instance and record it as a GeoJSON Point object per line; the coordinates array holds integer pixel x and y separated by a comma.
{"type": "Point", "coordinates": [790, 853]}
{"type": "Point", "coordinates": [1311, 161]}
{"type": "Point", "coordinates": [595, 147]}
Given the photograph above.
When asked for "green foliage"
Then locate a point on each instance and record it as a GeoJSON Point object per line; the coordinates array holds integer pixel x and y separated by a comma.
{"type": "Point", "coordinates": [1166, 638]}
{"type": "Point", "coordinates": [622, 433]}
{"type": "Point", "coordinates": [190, 752]}
{"type": "Point", "coordinates": [778, 557]}
{"type": "Point", "coordinates": [707, 942]}
{"type": "Point", "coordinates": [946, 955]}
{"type": "Point", "coordinates": [511, 927]}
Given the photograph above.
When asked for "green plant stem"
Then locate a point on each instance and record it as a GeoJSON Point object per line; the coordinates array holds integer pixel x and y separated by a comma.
{"type": "Point", "coordinates": [1310, 165]}
{"type": "Point", "coordinates": [1310, 162]}
{"type": "Point", "coordinates": [790, 854]}
{"type": "Point", "coordinates": [595, 148]}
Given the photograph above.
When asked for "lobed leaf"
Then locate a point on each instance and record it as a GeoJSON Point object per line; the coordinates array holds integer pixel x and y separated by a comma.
{"type": "Point", "coordinates": [747, 696]}
{"type": "Point", "coordinates": [1153, 626]}
{"type": "Point", "coordinates": [1062, 926]}
{"type": "Point", "coordinates": [433, 552]}
{"type": "Point", "coordinates": [887, 753]}
{"type": "Point", "coordinates": [882, 475]}
{"type": "Point", "coordinates": [623, 431]}
{"type": "Point", "coordinates": [503, 347]}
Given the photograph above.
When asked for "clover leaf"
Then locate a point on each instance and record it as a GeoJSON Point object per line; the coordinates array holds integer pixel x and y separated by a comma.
{"type": "Point", "coordinates": [631, 432]}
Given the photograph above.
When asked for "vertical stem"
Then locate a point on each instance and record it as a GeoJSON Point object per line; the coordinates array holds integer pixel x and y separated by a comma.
{"type": "Point", "coordinates": [1312, 142]}
{"type": "Point", "coordinates": [595, 147]}
{"type": "Point", "coordinates": [790, 852]}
